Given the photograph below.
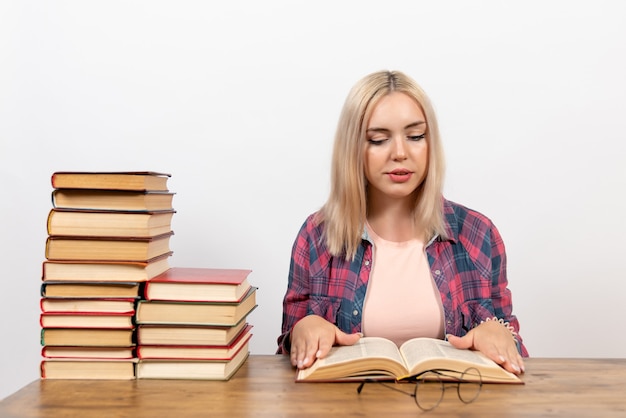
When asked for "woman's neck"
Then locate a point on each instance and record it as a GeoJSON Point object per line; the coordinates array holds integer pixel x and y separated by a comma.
{"type": "Point", "coordinates": [394, 222]}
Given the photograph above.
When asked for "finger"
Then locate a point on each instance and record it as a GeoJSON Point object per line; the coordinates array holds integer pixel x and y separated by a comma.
{"type": "Point", "coordinates": [464, 342]}
{"type": "Point", "coordinates": [299, 354]}
{"type": "Point", "coordinates": [342, 338]}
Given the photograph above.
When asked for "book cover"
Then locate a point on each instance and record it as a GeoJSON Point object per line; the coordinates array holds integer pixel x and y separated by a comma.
{"type": "Point", "coordinates": [199, 284]}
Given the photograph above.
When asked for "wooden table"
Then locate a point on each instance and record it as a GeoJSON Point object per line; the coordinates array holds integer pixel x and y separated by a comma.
{"type": "Point", "coordinates": [265, 386]}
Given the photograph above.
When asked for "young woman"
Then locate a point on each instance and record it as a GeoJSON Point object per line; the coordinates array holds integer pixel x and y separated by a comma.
{"type": "Point", "coordinates": [388, 255]}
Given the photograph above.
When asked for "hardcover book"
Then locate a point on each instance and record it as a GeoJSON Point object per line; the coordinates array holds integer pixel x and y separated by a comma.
{"type": "Point", "coordinates": [192, 369]}
{"type": "Point", "coordinates": [74, 352]}
{"type": "Point", "coordinates": [88, 369]}
{"type": "Point", "coordinates": [199, 284]}
{"type": "Point", "coordinates": [195, 313]}
{"type": "Point", "coordinates": [100, 337]}
{"type": "Point", "coordinates": [115, 224]}
{"type": "Point", "coordinates": [148, 334]}
{"type": "Point", "coordinates": [111, 200]}
{"type": "Point", "coordinates": [63, 289]}
{"type": "Point", "coordinates": [98, 271]}
{"type": "Point", "coordinates": [87, 320]}
{"type": "Point", "coordinates": [112, 180]}
{"type": "Point", "coordinates": [107, 248]}
{"type": "Point", "coordinates": [73, 305]}
{"type": "Point", "coordinates": [195, 352]}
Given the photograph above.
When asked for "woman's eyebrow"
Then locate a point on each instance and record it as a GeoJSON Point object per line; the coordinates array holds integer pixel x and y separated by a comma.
{"type": "Point", "coordinates": [409, 126]}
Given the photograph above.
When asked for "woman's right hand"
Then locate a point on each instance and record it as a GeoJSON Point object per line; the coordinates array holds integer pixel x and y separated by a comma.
{"type": "Point", "coordinates": [312, 337]}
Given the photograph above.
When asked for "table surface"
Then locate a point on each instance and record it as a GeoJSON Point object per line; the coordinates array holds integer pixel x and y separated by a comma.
{"type": "Point", "coordinates": [265, 386]}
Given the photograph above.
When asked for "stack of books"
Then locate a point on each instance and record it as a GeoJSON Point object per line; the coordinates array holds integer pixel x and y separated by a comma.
{"type": "Point", "coordinates": [108, 233]}
{"type": "Point", "coordinates": [192, 324]}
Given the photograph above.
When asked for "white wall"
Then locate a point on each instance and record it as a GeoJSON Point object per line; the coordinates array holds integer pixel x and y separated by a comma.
{"type": "Point", "coordinates": [239, 100]}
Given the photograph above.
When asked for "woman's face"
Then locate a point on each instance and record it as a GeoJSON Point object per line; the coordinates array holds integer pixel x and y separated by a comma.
{"type": "Point", "coordinates": [396, 150]}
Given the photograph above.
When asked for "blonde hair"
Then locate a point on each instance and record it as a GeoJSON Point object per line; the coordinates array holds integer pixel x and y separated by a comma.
{"type": "Point", "coordinates": [345, 211]}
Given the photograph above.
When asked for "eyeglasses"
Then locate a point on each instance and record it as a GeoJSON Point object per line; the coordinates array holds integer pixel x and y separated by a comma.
{"type": "Point", "coordinates": [431, 385]}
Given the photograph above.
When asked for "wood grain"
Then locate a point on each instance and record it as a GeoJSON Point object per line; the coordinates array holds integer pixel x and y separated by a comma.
{"type": "Point", "coordinates": [265, 386]}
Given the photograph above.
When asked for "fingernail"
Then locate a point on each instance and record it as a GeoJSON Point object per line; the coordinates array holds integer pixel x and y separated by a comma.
{"type": "Point", "coordinates": [502, 359]}
{"type": "Point", "coordinates": [360, 334]}
{"type": "Point", "coordinates": [516, 367]}
{"type": "Point", "coordinates": [318, 354]}
{"type": "Point", "coordinates": [300, 364]}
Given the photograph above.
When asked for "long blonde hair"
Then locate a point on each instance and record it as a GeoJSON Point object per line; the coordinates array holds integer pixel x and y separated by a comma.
{"type": "Point", "coordinates": [345, 211]}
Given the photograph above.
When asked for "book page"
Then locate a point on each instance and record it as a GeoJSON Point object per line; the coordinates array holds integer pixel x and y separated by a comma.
{"type": "Point", "coordinates": [366, 347]}
{"type": "Point", "coordinates": [368, 357]}
{"type": "Point", "coordinates": [423, 354]}
{"type": "Point", "coordinates": [419, 349]}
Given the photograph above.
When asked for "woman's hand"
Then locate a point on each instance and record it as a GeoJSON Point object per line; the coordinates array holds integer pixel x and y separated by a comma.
{"type": "Point", "coordinates": [312, 337]}
{"type": "Point", "coordinates": [495, 341]}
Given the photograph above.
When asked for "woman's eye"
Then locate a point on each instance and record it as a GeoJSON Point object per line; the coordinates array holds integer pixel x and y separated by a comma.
{"type": "Point", "coordinates": [376, 141]}
{"type": "Point", "coordinates": [417, 137]}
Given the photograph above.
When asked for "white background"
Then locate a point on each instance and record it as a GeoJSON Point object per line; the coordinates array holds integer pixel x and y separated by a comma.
{"type": "Point", "coordinates": [239, 100]}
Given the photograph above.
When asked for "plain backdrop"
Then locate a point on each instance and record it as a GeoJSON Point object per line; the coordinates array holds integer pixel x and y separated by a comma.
{"type": "Point", "coordinates": [239, 100]}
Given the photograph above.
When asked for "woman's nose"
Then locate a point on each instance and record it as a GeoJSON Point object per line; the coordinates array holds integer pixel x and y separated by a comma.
{"type": "Point", "coordinates": [399, 149]}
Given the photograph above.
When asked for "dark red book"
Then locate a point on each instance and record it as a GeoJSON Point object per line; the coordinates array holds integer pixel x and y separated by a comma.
{"type": "Point", "coordinates": [193, 284]}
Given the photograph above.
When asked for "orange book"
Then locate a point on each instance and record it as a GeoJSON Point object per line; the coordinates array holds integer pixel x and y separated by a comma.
{"type": "Point", "coordinates": [198, 285]}
{"type": "Point", "coordinates": [112, 180]}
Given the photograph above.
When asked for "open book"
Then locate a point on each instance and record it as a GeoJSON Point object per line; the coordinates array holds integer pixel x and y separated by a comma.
{"type": "Point", "coordinates": [379, 358]}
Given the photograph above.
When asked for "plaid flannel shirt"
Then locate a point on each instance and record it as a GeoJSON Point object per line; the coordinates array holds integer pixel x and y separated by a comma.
{"type": "Point", "coordinates": [469, 269]}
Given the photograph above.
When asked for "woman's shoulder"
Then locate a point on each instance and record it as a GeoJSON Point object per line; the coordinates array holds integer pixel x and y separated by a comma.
{"type": "Point", "coordinates": [313, 224]}
{"type": "Point", "coordinates": [461, 218]}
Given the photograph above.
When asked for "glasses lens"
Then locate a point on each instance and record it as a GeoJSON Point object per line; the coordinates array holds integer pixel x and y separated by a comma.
{"type": "Point", "coordinates": [428, 391]}
{"type": "Point", "coordinates": [470, 385]}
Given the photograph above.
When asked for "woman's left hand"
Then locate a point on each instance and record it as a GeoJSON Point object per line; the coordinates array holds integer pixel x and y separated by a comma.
{"type": "Point", "coordinates": [493, 340]}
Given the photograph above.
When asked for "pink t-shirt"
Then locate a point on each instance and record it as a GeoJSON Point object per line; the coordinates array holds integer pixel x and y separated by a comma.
{"type": "Point", "coordinates": [402, 300]}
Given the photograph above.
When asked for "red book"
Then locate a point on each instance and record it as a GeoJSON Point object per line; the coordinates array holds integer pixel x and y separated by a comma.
{"type": "Point", "coordinates": [195, 352]}
{"type": "Point", "coordinates": [192, 284]}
